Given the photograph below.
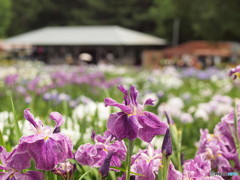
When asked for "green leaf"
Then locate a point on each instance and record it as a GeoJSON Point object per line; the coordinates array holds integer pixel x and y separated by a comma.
{"type": "Point", "coordinates": [85, 174]}
{"type": "Point", "coordinates": [2, 143]}
{"type": "Point", "coordinates": [121, 169]}
{"type": "Point", "coordinates": [16, 126]}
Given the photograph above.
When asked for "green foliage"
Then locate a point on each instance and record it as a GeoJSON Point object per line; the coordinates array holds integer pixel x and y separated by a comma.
{"type": "Point", "coordinates": [199, 19]}
{"type": "Point", "coordinates": [5, 14]}
{"type": "Point", "coordinates": [29, 15]}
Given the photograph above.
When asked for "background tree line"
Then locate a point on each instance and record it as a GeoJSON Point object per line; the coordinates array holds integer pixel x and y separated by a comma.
{"type": "Point", "coordinates": [199, 19]}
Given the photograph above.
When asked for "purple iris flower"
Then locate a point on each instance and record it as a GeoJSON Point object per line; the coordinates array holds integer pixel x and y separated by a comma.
{"type": "Point", "coordinates": [47, 146]}
{"type": "Point", "coordinates": [235, 72]}
{"type": "Point", "coordinates": [15, 161]}
{"type": "Point", "coordinates": [133, 121]}
{"type": "Point", "coordinates": [224, 131]}
{"type": "Point", "coordinates": [212, 148]}
{"type": "Point", "coordinates": [198, 168]}
{"type": "Point", "coordinates": [94, 154]}
{"type": "Point", "coordinates": [147, 162]}
{"type": "Point", "coordinates": [11, 79]}
{"type": "Point", "coordinates": [32, 85]}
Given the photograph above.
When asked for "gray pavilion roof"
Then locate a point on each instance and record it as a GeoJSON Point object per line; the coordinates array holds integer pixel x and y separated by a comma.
{"type": "Point", "coordinates": [85, 35]}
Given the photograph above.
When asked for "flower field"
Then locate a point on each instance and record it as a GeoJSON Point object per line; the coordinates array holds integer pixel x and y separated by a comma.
{"type": "Point", "coordinates": [109, 122]}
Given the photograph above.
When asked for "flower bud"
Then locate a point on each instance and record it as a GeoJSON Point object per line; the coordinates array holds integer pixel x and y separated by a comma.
{"type": "Point", "coordinates": [167, 144]}
{"type": "Point", "coordinates": [104, 169]}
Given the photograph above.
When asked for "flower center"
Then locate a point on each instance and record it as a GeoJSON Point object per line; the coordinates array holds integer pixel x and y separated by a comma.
{"type": "Point", "coordinates": [11, 176]}
{"type": "Point", "coordinates": [237, 74]}
{"type": "Point", "coordinates": [46, 138]}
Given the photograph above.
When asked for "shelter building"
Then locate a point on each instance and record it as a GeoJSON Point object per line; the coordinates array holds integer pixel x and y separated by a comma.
{"type": "Point", "coordinates": [92, 44]}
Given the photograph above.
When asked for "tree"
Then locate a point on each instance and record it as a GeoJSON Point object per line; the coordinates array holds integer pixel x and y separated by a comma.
{"type": "Point", "coordinates": [216, 19]}
{"type": "Point", "coordinates": [5, 14]}
{"type": "Point", "coordinates": [199, 19]}
{"type": "Point", "coordinates": [29, 15]}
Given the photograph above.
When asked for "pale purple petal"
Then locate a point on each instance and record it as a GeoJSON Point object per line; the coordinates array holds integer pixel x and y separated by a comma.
{"type": "Point", "coordinates": [197, 168]}
{"type": "Point", "coordinates": [233, 71]}
{"type": "Point", "coordinates": [3, 168]}
{"type": "Point", "coordinates": [146, 133]}
{"type": "Point", "coordinates": [85, 154]}
{"type": "Point", "coordinates": [3, 156]}
{"type": "Point", "coordinates": [29, 116]}
{"type": "Point", "coordinates": [120, 127]}
{"type": "Point", "coordinates": [133, 95]}
{"type": "Point", "coordinates": [111, 121]}
{"type": "Point", "coordinates": [29, 175]}
{"type": "Point", "coordinates": [5, 175]}
{"type": "Point", "coordinates": [90, 155]}
{"type": "Point", "coordinates": [150, 120]}
{"type": "Point", "coordinates": [18, 159]}
{"type": "Point", "coordinates": [32, 138]}
{"type": "Point", "coordinates": [2, 149]}
{"type": "Point", "coordinates": [149, 102]}
{"type": "Point", "coordinates": [203, 141]}
{"type": "Point", "coordinates": [47, 153]}
{"type": "Point", "coordinates": [66, 142]}
{"type": "Point", "coordinates": [126, 96]}
{"type": "Point", "coordinates": [123, 126]}
{"type": "Point", "coordinates": [124, 108]}
{"type": "Point", "coordinates": [57, 117]}
{"type": "Point", "coordinates": [173, 174]}
{"type": "Point", "coordinates": [126, 127]}
{"type": "Point", "coordinates": [134, 127]}
{"type": "Point", "coordinates": [223, 164]}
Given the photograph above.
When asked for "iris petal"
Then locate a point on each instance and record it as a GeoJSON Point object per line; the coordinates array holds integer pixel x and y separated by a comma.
{"type": "Point", "coordinates": [133, 95]}
{"type": "Point", "coordinates": [125, 92]}
{"type": "Point", "coordinates": [29, 116]}
{"type": "Point", "coordinates": [124, 108]}
{"type": "Point", "coordinates": [57, 117]}
{"type": "Point", "coordinates": [149, 102]}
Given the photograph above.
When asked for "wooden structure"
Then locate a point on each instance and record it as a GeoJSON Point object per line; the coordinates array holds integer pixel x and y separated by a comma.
{"type": "Point", "coordinates": [105, 44]}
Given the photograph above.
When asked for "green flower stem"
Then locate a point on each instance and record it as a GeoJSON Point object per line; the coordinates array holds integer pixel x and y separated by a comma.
{"type": "Point", "coordinates": [160, 172]}
{"type": "Point", "coordinates": [163, 170]}
{"type": "Point", "coordinates": [166, 162]}
{"type": "Point", "coordinates": [179, 151]}
{"type": "Point", "coordinates": [100, 177]}
{"type": "Point", "coordinates": [129, 155]}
